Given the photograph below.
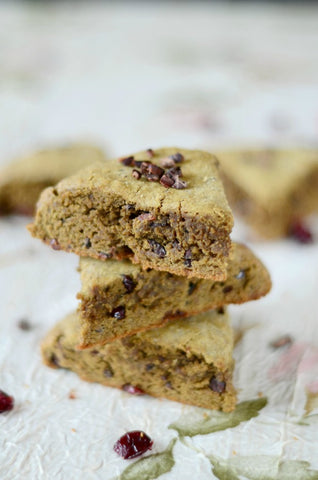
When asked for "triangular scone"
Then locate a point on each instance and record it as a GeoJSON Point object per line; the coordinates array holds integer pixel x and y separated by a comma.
{"type": "Point", "coordinates": [120, 299]}
{"type": "Point", "coordinates": [189, 361]}
{"type": "Point", "coordinates": [104, 211]}
{"type": "Point", "coordinates": [22, 180]}
{"type": "Point", "coordinates": [271, 189]}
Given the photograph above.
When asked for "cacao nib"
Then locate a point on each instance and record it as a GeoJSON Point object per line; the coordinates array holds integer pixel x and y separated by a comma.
{"type": "Point", "coordinates": [136, 174]}
{"type": "Point", "coordinates": [166, 181]}
{"type": "Point", "coordinates": [133, 444]}
{"type": "Point", "coordinates": [174, 172]}
{"type": "Point", "coordinates": [104, 256]}
{"type": "Point", "coordinates": [157, 248]}
{"type": "Point", "coordinates": [6, 402]}
{"type": "Point", "coordinates": [217, 385]}
{"type": "Point", "coordinates": [154, 173]}
{"type": "Point", "coordinates": [129, 283]}
{"type": "Point", "coordinates": [179, 184]}
{"type": "Point", "coordinates": [54, 360]}
{"type": "Point", "coordinates": [138, 163]}
{"type": "Point", "coordinates": [227, 289]}
{"type": "Point", "coordinates": [127, 161]}
{"type": "Point", "coordinates": [119, 313]}
{"type": "Point", "coordinates": [177, 157]}
{"type": "Point", "coordinates": [149, 367]}
{"type": "Point", "coordinates": [176, 244]}
{"type": "Point", "coordinates": [87, 243]}
{"type": "Point", "coordinates": [25, 325]}
{"type": "Point", "coordinates": [167, 162]}
{"type": "Point", "coordinates": [108, 372]}
{"type": "Point", "coordinates": [191, 288]}
{"type": "Point", "coordinates": [187, 258]}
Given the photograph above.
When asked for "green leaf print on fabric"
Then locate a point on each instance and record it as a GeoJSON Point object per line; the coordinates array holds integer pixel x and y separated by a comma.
{"type": "Point", "coordinates": [215, 421]}
{"type": "Point", "coordinates": [150, 467]}
{"type": "Point", "coordinates": [262, 467]}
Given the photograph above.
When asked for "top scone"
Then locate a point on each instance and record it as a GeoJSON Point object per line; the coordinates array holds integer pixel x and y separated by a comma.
{"type": "Point", "coordinates": [119, 208]}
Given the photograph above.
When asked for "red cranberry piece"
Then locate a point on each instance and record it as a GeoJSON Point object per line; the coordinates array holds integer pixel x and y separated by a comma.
{"type": "Point", "coordinates": [217, 385]}
{"type": "Point", "coordinates": [299, 232]}
{"type": "Point", "coordinates": [133, 444]}
{"type": "Point", "coordinates": [132, 389]}
{"type": "Point", "coordinates": [55, 244]}
{"type": "Point", "coordinates": [6, 402]}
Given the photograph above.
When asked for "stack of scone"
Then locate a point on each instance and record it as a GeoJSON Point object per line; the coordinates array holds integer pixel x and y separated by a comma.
{"type": "Point", "coordinates": [157, 269]}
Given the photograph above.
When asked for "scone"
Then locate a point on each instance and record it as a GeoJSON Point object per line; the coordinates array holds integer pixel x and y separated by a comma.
{"type": "Point", "coordinates": [271, 189]}
{"type": "Point", "coordinates": [22, 181]}
{"type": "Point", "coordinates": [120, 299]}
{"type": "Point", "coordinates": [178, 221]}
{"type": "Point", "coordinates": [189, 361]}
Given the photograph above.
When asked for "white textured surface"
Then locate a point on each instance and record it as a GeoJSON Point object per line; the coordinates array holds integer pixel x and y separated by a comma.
{"type": "Point", "coordinates": [131, 77]}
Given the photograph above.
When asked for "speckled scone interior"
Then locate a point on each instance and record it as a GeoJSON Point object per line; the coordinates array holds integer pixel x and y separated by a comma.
{"type": "Point", "coordinates": [22, 180]}
{"type": "Point", "coordinates": [271, 189]}
{"type": "Point", "coordinates": [119, 298]}
{"type": "Point", "coordinates": [189, 361]}
{"type": "Point", "coordinates": [103, 211]}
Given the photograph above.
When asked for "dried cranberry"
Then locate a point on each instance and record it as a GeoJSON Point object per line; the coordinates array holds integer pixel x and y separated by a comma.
{"type": "Point", "coordinates": [6, 402]}
{"type": "Point", "coordinates": [119, 313]}
{"type": "Point", "coordinates": [132, 389]}
{"type": "Point", "coordinates": [55, 244]}
{"type": "Point", "coordinates": [133, 444]}
{"type": "Point", "coordinates": [217, 385]}
{"type": "Point", "coordinates": [299, 232]}
{"type": "Point", "coordinates": [129, 283]}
